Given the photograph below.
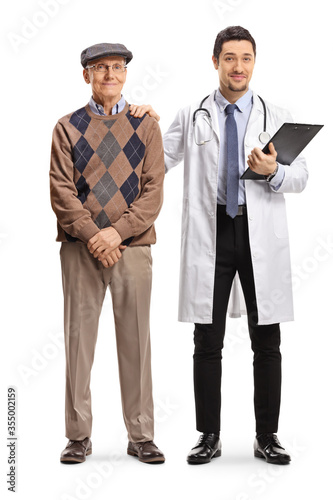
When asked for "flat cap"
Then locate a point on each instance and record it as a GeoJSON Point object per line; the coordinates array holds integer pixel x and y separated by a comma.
{"type": "Point", "coordinates": [103, 50]}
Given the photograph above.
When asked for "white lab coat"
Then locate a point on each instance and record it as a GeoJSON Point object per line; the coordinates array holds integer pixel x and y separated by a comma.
{"type": "Point", "coordinates": [266, 212]}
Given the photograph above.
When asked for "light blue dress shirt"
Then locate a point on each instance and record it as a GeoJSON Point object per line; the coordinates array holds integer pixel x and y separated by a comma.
{"type": "Point", "coordinates": [99, 110]}
{"type": "Point", "coordinates": [242, 115]}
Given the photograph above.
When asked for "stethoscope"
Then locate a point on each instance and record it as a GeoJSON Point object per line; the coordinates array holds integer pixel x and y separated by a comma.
{"type": "Point", "coordinates": [264, 136]}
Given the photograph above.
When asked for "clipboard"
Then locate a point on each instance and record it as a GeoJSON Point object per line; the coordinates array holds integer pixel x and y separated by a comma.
{"type": "Point", "coordinates": [289, 141]}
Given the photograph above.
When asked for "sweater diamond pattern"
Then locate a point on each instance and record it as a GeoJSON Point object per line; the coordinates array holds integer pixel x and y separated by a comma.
{"type": "Point", "coordinates": [105, 189]}
{"type": "Point", "coordinates": [135, 122]}
{"type": "Point", "coordinates": [109, 149]}
{"type": "Point", "coordinates": [130, 188]}
{"type": "Point", "coordinates": [102, 220]}
{"type": "Point", "coordinates": [109, 123]}
{"type": "Point", "coordinates": [80, 119]}
{"type": "Point", "coordinates": [82, 153]}
{"type": "Point", "coordinates": [134, 150]}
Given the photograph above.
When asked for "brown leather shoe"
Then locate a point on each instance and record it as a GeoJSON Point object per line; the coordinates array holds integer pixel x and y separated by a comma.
{"type": "Point", "coordinates": [146, 451]}
{"type": "Point", "coordinates": [76, 451]}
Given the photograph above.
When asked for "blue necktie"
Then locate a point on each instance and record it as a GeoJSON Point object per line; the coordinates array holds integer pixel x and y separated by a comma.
{"type": "Point", "coordinates": [232, 162]}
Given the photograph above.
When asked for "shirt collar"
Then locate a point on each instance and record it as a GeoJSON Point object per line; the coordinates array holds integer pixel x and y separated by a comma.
{"type": "Point", "coordinates": [242, 102]}
{"type": "Point", "coordinates": [99, 110]}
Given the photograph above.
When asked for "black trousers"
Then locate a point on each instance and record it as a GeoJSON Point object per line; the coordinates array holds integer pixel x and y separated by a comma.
{"type": "Point", "coordinates": [233, 254]}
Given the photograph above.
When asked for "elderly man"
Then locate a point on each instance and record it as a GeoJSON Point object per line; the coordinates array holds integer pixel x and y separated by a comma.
{"type": "Point", "coordinates": [106, 176]}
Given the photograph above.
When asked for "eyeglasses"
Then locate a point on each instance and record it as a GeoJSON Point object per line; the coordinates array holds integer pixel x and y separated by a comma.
{"type": "Point", "coordinates": [103, 68]}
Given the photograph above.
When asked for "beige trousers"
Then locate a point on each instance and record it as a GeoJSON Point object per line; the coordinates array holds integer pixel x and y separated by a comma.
{"type": "Point", "coordinates": [85, 281]}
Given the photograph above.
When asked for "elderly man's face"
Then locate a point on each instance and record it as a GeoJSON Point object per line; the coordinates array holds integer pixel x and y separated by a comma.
{"type": "Point", "coordinates": [106, 85]}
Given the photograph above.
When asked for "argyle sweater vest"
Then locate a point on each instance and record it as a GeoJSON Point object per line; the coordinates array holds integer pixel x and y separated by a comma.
{"type": "Point", "coordinates": [106, 171]}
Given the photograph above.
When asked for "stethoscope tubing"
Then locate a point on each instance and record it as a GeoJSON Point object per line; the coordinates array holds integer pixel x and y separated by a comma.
{"type": "Point", "coordinates": [264, 136]}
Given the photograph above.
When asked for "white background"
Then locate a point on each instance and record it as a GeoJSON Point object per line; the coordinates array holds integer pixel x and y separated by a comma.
{"type": "Point", "coordinates": [172, 43]}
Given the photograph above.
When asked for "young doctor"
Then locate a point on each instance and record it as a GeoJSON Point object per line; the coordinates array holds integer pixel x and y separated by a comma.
{"type": "Point", "coordinates": [234, 231]}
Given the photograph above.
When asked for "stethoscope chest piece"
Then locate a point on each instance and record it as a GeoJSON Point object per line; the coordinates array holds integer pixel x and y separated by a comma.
{"type": "Point", "coordinates": [264, 137]}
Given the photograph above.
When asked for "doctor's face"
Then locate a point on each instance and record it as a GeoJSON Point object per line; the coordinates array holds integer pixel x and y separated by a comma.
{"type": "Point", "coordinates": [235, 68]}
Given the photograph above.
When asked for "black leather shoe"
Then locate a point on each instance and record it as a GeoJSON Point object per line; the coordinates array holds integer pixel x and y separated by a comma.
{"type": "Point", "coordinates": [208, 447]}
{"type": "Point", "coordinates": [268, 446]}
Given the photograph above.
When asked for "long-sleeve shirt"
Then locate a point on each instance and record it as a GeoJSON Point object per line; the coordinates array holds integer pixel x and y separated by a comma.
{"type": "Point", "coordinates": [99, 110]}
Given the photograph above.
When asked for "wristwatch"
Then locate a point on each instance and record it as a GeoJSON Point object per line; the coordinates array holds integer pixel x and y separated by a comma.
{"type": "Point", "coordinates": [269, 177]}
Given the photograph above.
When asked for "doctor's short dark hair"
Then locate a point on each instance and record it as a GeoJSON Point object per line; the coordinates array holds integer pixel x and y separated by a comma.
{"type": "Point", "coordinates": [232, 33]}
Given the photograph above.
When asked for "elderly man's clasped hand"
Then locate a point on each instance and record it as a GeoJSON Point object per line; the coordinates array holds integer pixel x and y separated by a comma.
{"type": "Point", "coordinates": [106, 246]}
